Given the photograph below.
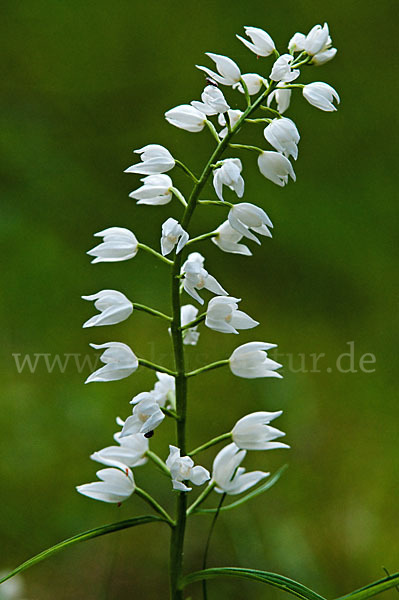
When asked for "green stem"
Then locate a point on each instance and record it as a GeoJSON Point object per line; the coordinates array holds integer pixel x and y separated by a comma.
{"type": "Point", "coordinates": [246, 92]}
{"type": "Point", "coordinates": [204, 236]}
{"type": "Point", "coordinates": [181, 199]}
{"type": "Point", "coordinates": [272, 110]}
{"type": "Point", "coordinates": [208, 542]}
{"type": "Point", "coordinates": [158, 461]}
{"type": "Point", "coordinates": [154, 367]}
{"type": "Point", "coordinates": [155, 505]}
{"type": "Point", "coordinates": [186, 170]}
{"type": "Point", "coordinates": [150, 311]}
{"type": "Point", "coordinates": [246, 147]}
{"type": "Point", "coordinates": [195, 322]}
{"type": "Point", "coordinates": [216, 203]}
{"type": "Point", "coordinates": [177, 538]}
{"type": "Point", "coordinates": [155, 253]}
{"type": "Point", "coordinates": [213, 442]}
{"type": "Point", "coordinates": [201, 498]}
{"type": "Point", "coordinates": [169, 413]}
{"type": "Point", "coordinates": [214, 133]}
{"type": "Point", "coordinates": [265, 120]}
{"type": "Point", "coordinates": [215, 365]}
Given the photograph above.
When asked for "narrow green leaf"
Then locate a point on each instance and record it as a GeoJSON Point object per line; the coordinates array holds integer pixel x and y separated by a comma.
{"type": "Point", "coordinates": [259, 490]}
{"type": "Point", "coordinates": [373, 588]}
{"type": "Point", "coordinates": [278, 581]}
{"type": "Point", "coordinates": [81, 537]}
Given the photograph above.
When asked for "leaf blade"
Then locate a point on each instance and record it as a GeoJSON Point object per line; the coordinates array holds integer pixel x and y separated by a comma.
{"type": "Point", "coordinates": [372, 589]}
{"type": "Point", "coordinates": [273, 579]}
{"type": "Point", "coordinates": [81, 537]}
{"type": "Point", "coordinates": [259, 490]}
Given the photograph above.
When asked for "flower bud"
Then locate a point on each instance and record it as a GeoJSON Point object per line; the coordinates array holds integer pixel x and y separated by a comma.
{"type": "Point", "coordinates": [229, 71]}
{"type": "Point", "coordinates": [282, 97]}
{"type": "Point", "coordinates": [262, 44]}
{"type": "Point", "coordinates": [182, 469]}
{"type": "Point", "coordinates": [223, 315]}
{"type": "Point", "coordinates": [276, 167]}
{"type": "Point", "coordinates": [118, 244]}
{"type": "Point", "coordinates": [228, 173]}
{"type": "Point", "coordinates": [116, 485]}
{"type": "Point", "coordinates": [253, 81]}
{"type": "Point", "coordinates": [283, 135]}
{"type": "Point", "coordinates": [253, 432]}
{"type": "Point", "coordinates": [245, 216]}
{"type": "Point", "coordinates": [114, 308]}
{"type": "Point", "coordinates": [146, 416]}
{"type": "Point", "coordinates": [120, 362]}
{"type": "Point", "coordinates": [251, 361]}
{"type": "Point", "coordinates": [157, 190]}
{"type": "Point", "coordinates": [321, 95]}
{"type": "Point", "coordinates": [186, 117]}
{"type": "Point", "coordinates": [297, 43]}
{"type": "Point", "coordinates": [316, 39]}
{"type": "Point", "coordinates": [155, 159]}
{"type": "Point", "coordinates": [213, 101]}
{"type": "Point", "coordinates": [282, 71]}
{"type": "Point", "coordinates": [228, 240]}
{"type": "Point", "coordinates": [324, 56]}
{"type": "Point", "coordinates": [229, 477]}
{"type": "Point", "coordinates": [172, 234]}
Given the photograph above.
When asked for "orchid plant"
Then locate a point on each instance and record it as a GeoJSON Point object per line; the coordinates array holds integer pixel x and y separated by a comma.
{"type": "Point", "coordinates": [265, 98]}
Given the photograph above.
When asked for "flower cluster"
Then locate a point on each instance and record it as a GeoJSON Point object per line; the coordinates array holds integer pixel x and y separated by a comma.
{"type": "Point", "coordinates": [269, 94]}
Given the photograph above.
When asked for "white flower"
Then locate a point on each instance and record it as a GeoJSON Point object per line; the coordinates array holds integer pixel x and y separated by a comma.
{"type": "Point", "coordinates": [253, 81]}
{"type": "Point", "coordinates": [245, 216]}
{"type": "Point", "coordinates": [116, 485]}
{"type": "Point", "coordinates": [213, 101]}
{"type": "Point", "coordinates": [172, 234]}
{"type": "Point", "coordinates": [118, 244]}
{"type": "Point", "coordinates": [228, 173]}
{"type": "Point", "coordinates": [114, 307]}
{"type": "Point", "coordinates": [157, 190]}
{"type": "Point", "coordinates": [155, 159]}
{"type": "Point", "coordinates": [223, 315]}
{"type": "Point", "coordinates": [262, 44]}
{"type": "Point", "coordinates": [197, 278]}
{"type": "Point", "coordinates": [191, 335]}
{"type": "Point", "coordinates": [120, 362]}
{"type": "Point", "coordinates": [282, 71]}
{"type": "Point", "coordinates": [321, 95]}
{"type": "Point", "coordinates": [182, 469]}
{"type": "Point", "coordinates": [275, 167]}
{"type": "Point", "coordinates": [163, 392]}
{"type": "Point", "coordinates": [229, 71]}
{"type": "Point", "coordinates": [229, 477]}
{"type": "Point", "coordinates": [324, 56]}
{"type": "Point", "coordinates": [282, 97]}
{"type": "Point", "coordinates": [227, 239]}
{"type": "Point", "coordinates": [146, 416]}
{"type": "Point", "coordinates": [253, 432]}
{"type": "Point", "coordinates": [130, 452]}
{"type": "Point", "coordinates": [234, 116]}
{"type": "Point", "coordinates": [251, 361]}
{"type": "Point", "coordinates": [317, 39]}
{"type": "Point", "coordinates": [283, 135]}
{"type": "Point", "coordinates": [297, 43]}
{"type": "Point", "coordinates": [186, 117]}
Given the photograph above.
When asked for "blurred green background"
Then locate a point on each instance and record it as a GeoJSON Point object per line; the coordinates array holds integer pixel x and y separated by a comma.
{"type": "Point", "coordinates": [85, 83]}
